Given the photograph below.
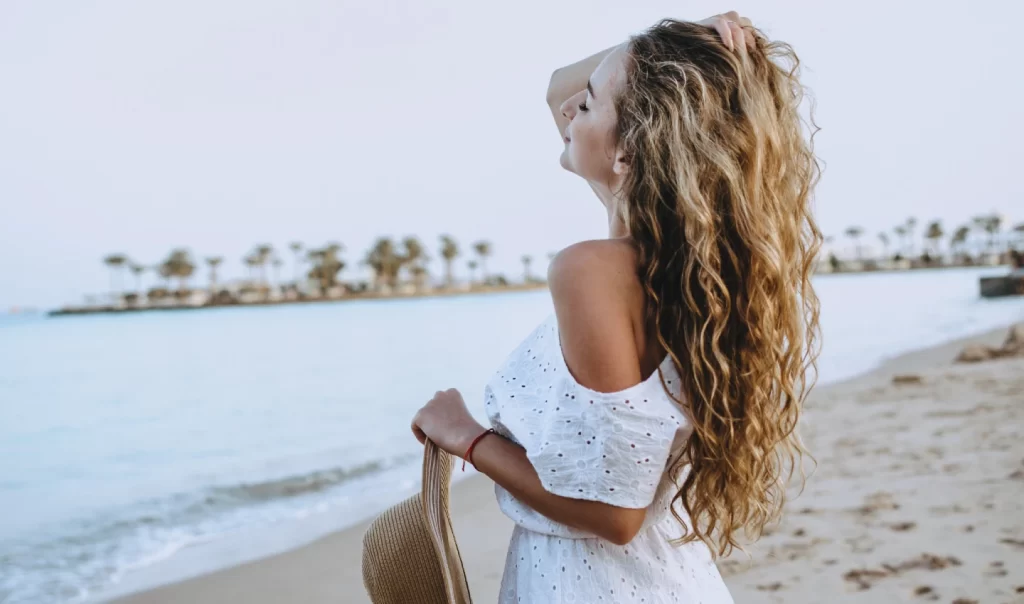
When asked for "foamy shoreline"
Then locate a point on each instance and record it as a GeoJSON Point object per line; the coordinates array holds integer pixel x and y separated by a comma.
{"type": "Point", "coordinates": [328, 569]}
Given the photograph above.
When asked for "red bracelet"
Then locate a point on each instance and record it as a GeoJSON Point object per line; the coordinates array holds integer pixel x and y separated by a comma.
{"type": "Point", "coordinates": [469, 451]}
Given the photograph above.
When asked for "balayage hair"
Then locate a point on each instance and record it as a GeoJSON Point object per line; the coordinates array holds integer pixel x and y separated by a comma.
{"type": "Point", "coordinates": [718, 203]}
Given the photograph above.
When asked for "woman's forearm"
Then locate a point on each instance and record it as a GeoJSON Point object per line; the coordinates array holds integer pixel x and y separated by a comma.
{"type": "Point", "coordinates": [506, 464]}
{"type": "Point", "coordinates": [567, 81]}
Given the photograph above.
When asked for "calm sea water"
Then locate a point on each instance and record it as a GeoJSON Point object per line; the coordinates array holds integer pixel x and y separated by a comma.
{"type": "Point", "coordinates": [127, 439]}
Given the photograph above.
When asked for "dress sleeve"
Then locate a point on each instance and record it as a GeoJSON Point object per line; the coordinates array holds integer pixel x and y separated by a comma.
{"type": "Point", "coordinates": [607, 447]}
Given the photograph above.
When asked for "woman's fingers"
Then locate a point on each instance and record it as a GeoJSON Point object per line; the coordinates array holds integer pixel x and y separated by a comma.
{"type": "Point", "coordinates": [723, 29]}
{"type": "Point", "coordinates": [748, 34]}
{"type": "Point", "coordinates": [730, 27]}
{"type": "Point", "coordinates": [420, 436]}
{"type": "Point", "coordinates": [738, 37]}
{"type": "Point", "coordinates": [415, 425]}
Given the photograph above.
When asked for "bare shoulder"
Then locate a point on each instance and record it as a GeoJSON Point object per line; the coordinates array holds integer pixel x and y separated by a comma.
{"type": "Point", "coordinates": [598, 302]}
{"type": "Point", "coordinates": [600, 259]}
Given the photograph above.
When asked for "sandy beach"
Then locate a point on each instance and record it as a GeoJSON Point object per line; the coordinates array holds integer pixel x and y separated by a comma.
{"type": "Point", "coordinates": [918, 495]}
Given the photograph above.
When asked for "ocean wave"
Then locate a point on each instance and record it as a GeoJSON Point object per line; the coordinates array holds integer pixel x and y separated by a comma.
{"type": "Point", "coordinates": [293, 486]}
{"type": "Point", "coordinates": [70, 562]}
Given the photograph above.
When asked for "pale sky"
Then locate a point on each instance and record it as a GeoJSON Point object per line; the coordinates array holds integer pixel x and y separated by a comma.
{"type": "Point", "coordinates": [132, 127]}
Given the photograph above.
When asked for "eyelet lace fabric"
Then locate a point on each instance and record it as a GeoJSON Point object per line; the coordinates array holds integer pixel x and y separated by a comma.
{"type": "Point", "coordinates": [612, 447]}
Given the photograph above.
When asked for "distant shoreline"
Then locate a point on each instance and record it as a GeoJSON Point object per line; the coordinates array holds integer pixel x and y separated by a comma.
{"type": "Point", "coordinates": [437, 293]}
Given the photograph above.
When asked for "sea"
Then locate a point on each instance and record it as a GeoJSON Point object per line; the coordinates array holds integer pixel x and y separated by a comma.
{"type": "Point", "coordinates": [143, 448]}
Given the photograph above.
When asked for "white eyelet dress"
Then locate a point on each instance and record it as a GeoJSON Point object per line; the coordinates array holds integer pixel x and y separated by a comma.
{"type": "Point", "coordinates": [609, 447]}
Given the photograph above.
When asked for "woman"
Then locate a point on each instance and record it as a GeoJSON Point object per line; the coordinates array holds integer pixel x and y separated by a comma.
{"type": "Point", "coordinates": [639, 431]}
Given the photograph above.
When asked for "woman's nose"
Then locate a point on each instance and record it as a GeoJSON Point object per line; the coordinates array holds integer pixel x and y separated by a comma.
{"type": "Point", "coordinates": [568, 108]}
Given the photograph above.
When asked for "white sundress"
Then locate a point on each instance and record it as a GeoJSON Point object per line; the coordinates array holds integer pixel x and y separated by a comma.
{"type": "Point", "coordinates": [610, 447]}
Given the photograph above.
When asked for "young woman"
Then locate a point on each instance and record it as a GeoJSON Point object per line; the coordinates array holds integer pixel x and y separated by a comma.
{"type": "Point", "coordinates": [648, 425]}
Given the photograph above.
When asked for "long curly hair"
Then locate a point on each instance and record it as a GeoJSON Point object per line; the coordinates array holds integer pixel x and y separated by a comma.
{"type": "Point", "coordinates": [718, 203]}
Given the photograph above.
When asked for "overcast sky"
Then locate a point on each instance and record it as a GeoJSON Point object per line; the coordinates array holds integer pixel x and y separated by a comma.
{"type": "Point", "coordinates": [132, 127]}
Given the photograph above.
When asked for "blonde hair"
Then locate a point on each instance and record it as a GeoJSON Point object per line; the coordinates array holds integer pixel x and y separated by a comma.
{"type": "Point", "coordinates": [718, 202]}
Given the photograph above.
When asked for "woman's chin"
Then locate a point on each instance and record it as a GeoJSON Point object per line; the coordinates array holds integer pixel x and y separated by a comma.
{"type": "Point", "coordinates": [564, 160]}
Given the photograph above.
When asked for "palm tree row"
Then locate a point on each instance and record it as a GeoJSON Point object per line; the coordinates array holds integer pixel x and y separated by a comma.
{"type": "Point", "coordinates": [987, 227]}
{"type": "Point", "coordinates": [319, 267]}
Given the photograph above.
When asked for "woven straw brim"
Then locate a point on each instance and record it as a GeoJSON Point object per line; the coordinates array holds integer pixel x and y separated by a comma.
{"type": "Point", "coordinates": [409, 552]}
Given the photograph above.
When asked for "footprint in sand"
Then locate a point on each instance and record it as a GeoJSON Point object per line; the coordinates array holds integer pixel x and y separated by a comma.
{"type": "Point", "coordinates": [926, 592]}
{"type": "Point", "coordinates": [864, 578]}
{"type": "Point", "coordinates": [944, 510]}
{"type": "Point", "coordinates": [903, 526]}
{"type": "Point", "coordinates": [995, 569]}
{"type": "Point", "coordinates": [1017, 543]}
{"type": "Point", "coordinates": [877, 502]}
{"type": "Point", "coordinates": [906, 380]}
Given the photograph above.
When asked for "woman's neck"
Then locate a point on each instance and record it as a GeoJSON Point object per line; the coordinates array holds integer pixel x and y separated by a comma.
{"type": "Point", "coordinates": [616, 219]}
{"type": "Point", "coordinates": [614, 205]}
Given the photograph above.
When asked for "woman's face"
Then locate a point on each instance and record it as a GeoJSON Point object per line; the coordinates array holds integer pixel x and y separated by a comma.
{"type": "Point", "coordinates": [590, 149]}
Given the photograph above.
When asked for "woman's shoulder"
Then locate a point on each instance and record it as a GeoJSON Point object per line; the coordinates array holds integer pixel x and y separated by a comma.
{"type": "Point", "coordinates": [598, 304]}
{"type": "Point", "coordinates": [607, 261]}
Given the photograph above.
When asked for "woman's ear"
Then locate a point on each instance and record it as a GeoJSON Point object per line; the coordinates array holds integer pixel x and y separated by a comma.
{"type": "Point", "coordinates": [621, 165]}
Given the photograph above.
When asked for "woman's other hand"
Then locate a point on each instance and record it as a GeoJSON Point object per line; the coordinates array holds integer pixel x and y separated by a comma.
{"type": "Point", "coordinates": [730, 27]}
{"type": "Point", "coordinates": [446, 421]}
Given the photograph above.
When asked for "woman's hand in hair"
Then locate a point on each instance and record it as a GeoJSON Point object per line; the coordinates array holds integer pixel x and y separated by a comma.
{"type": "Point", "coordinates": [730, 27]}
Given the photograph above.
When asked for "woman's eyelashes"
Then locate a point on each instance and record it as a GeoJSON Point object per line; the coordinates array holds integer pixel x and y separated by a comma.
{"type": "Point", "coordinates": [583, 106]}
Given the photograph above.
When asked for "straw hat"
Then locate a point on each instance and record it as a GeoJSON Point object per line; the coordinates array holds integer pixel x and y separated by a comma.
{"type": "Point", "coordinates": [409, 552]}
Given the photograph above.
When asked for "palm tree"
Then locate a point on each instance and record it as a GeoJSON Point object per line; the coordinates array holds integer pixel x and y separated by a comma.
{"type": "Point", "coordinates": [262, 255]}
{"type": "Point", "coordinates": [911, 225]}
{"type": "Point", "coordinates": [1018, 229]}
{"type": "Point", "coordinates": [252, 262]}
{"type": "Point", "coordinates": [213, 262]}
{"type": "Point", "coordinates": [449, 251]}
{"type": "Point", "coordinates": [296, 248]}
{"type": "Point", "coordinates": [526, 260]}
{"type": "Point", "coordinates": [934, 234]}
{"type": "Point", "coordinates": [884, 238]}
{"type": "Point", "coordinates": [179, 264]}
{"type": "Point", "coordinates": [315, 257]}
{"type": "Point", "coordinates": [165, 274]}
{"type": "Point", "coordinates": [277, 263]}
{"type": "Point", "coordinates": [116, 262]}
{"type": "Point", "coordinates": [326, 266]}
{"type": "Point", "coordinates": [959, 239]}
{"type": "Point", "coordinates": [854, 233]}
{"type": "Point", "coordinates": [981, 223]}
{"type": "Point", "coordinates": [471, 265]}
{"type": "Point", "coordinates": [992, 225]}
{"type": "Point", "coordinates": [413, 257]}
{"type": "Point", "coordinates": [137, 270]}
{"type": "Point", "coordinates": [901, 232]}
{"type": "Point", "coordinates": [483, 249]}
{"type": "Point", "coordinates": [384, 262]}
{"type": "Point", "coordinates": [413, 249]}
